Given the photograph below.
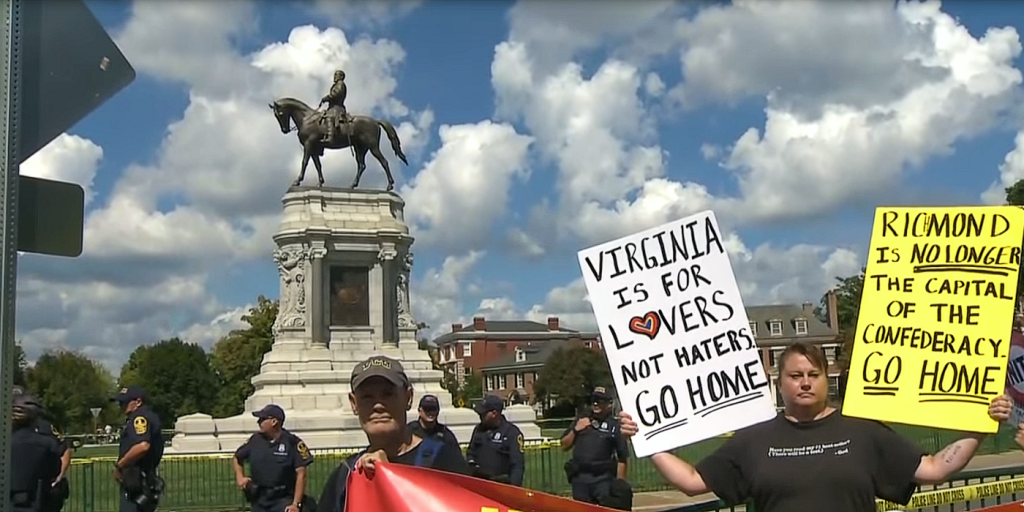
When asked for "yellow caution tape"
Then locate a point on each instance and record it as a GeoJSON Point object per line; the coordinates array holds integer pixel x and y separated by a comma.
{"type": "Point", "coordinates": [955, 495]}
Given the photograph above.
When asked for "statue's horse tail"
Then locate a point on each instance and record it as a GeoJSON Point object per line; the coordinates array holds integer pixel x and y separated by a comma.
{"type": "Point", "coordinates": [396, 144]}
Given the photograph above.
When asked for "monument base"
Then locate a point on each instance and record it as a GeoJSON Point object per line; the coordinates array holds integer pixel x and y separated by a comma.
{"type": "Point", "coordinates": [344, 261]}
{"type": "Point", "coordinates": [311, 385]}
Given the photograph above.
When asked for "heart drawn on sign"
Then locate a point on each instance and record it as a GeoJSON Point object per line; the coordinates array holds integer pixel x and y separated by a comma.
{"type": "Point", "coordinates": [648, 325]}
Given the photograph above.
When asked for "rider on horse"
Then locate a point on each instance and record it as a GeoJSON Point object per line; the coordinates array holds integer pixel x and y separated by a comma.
{"type": "Point", "coordinates": [335, 100]}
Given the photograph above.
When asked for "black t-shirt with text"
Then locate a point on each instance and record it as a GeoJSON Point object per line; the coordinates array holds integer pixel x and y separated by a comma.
{"type": "Point", "coordinates": [836, 463]}
{"type": "Point", "coordinates": [332, 499]}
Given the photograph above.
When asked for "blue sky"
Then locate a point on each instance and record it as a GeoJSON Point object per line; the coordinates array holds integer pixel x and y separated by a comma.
{"type": "Point", "coordinates": [791, 120]}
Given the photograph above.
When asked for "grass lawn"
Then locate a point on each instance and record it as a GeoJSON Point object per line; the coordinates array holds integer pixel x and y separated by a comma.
{"type": "Point", "coordinates": [206, 482]}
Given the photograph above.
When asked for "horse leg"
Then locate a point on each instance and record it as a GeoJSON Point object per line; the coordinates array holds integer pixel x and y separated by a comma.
{"type": "Point", "coordinates": [360, 164]}
{"type": "Point", "coordinates": [375, 149]}
{"type": "Point", "coordinates": [305, 162]}
{"type": "Point", "coordinates": [319, 169]}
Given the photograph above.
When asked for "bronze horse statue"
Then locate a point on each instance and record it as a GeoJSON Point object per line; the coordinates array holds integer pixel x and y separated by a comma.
{"type": "Point", "coordinates": [362, 133]}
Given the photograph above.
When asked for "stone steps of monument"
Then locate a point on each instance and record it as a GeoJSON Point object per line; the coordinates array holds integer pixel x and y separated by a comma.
{"type": "Point", "coordinates": [268, 376]}
{"type": "Point", "coordinates": [411, 358]}
{"type": "Point", "coordinates": [323, 429]}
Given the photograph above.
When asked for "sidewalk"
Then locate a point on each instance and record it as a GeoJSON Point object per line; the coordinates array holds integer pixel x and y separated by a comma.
{"type": "Point", "coordinates": [667, 500]}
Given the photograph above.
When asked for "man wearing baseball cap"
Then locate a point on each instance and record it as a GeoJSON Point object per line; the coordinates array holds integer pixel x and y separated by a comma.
{"type": "Point", "coordinates": [37, 456]}
{"type": "Point", "coordinates": [381, 397]}
{"type": "Point", "coordinates": [277, 461]}
{"type": "Point", "coordinates": [140, 453]}
{"type": "Point", "coordinates": [427, 424]}
{"type": "Point", "coordinates": [597, 470]}
{"type": "Point", "coordinates": [496, 449]}
{"type": "Point", "coordinates": [58, 490]}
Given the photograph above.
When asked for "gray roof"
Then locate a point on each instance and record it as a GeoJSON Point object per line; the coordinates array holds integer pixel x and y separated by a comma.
{"type": "Point", "coordinates": [513, 326]}
{"type": "Point", "coordinates": [537, 353]}
{"type": "Point", "coordinates": [788, 314]}
{"type": "Point", "coordinates": [508, 329]}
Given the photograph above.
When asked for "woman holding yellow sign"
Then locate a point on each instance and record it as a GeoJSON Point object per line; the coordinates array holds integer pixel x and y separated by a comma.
{"type": "Point", "coordinates": [812, 458]}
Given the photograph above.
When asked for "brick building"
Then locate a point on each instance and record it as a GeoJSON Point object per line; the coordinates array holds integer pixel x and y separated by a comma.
{"type": "Point", "coordinates": [468, 348]}
{"type": "Point", "coordinates": [776, 326]}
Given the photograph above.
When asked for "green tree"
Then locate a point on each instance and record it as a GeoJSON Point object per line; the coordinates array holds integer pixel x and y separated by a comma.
{"type": "Point", "coordinates": [570, 375]}
{"type": "Point", "coordinates": [472, 389]}
{"type": "Point", "coordinates": [1015, 196]}
{"type": "Point", "coordinates": [177, 378]}
{"type": "Point", "coordinates": [69, 384]}
{"type": "Point", "coordinates": [236, 358]}
{"type": "Point", "coordinates": [20, 365]}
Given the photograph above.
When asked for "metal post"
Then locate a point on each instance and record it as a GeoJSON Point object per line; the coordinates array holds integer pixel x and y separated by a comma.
{"type": "Point", "coordinates": [11, 94]}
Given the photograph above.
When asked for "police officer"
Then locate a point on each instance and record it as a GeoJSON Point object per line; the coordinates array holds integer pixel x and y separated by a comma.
{"type": "Point", "coordinates": [277, 460]}
{"type": "Point", "coordinates": [140, 453]}
{"type": "Point", "coordinates": [58, 490]}
{"type": "Point", "coordinates": [37, 456]}
{"type": "Point", "coordinates": [496, 448]}
{"type": "Point", "coordinates": [599, 453]}
{"type": "Point", "coordinates": [427, 424]}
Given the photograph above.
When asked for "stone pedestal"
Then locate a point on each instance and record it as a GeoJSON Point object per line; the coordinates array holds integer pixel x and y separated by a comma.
{"type": "Point", "coordinates": [344, 260]}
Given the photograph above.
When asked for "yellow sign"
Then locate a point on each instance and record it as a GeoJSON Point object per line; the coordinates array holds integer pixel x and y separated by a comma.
{"type": "Point", "coordinates": [303, 450]}
{"type": "Point", "coordinates": [933, 331]}
{"type": "Point", "coordinates": [141, 425]}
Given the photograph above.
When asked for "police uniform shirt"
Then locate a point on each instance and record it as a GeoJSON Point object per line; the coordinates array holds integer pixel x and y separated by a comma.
{"type": "Point", "coordinates": [273, 462]}
{"type": "Point", "coordinates": [143, 425]}
{"type": "Point", "coordinates": [498, 451]}
{"type": "Point", "coordinates": [597, 443]}
{"type": "Point", "coordinates": [44, 427]}
{"type": "Point", "coordinates": [38, 459]}
{"type": "Point", "coordinates": [439, 430]}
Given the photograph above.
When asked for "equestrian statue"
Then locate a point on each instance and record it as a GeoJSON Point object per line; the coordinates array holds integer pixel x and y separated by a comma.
{"type": "Point", "coordinates": [336, 129]}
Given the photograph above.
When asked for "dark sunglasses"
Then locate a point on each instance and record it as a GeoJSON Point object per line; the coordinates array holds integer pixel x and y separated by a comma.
{"type": "Point", "coordinates": [261, 420]}
{"type": "Point", "coordinates": [431, 410]}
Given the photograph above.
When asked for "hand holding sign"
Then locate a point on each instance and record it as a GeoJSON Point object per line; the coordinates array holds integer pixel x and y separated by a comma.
{"type": "Point", "coordinates": [679, 344]}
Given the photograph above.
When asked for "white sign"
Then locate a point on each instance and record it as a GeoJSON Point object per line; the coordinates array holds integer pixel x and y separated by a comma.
{"type": "Point", "coordinates": [676, 335]}
{"type": "Point", "coordinates": [95, 411]}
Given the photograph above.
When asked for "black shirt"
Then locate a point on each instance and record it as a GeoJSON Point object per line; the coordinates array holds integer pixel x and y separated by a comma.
{"type": "Point", "coordinates": [143, 425]}
{"type": "Point", "coordinates": [439, 429]}
{"type": "Point", "coordinates": [496, 451]}
{"type": "Point", "coordinates": [38, 459]}
{"type": "Point", "coordinates": [834, 463]}
{"type": "Point", "coordinates": [44, 427]}
{"type": "Point", "coordinates": [332, 498]}
{"type": "Point", "coordinates": [598, 443]}
{"type": "Point", "coordinates": [273, 462]}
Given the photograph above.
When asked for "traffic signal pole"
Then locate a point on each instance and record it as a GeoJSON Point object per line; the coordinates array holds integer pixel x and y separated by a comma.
{"type": "Point", "coordinates": [9, 103]}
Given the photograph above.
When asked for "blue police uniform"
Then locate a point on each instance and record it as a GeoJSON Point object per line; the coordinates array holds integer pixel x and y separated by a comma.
{"type": "Point", "coordinates": [37, 456]}
{"type": "Point", "coordinates": [598, 449]}
{"type": "Point", "coordinates": [273, 465]}
{"type": "Point", "coordinates": [141, 485]}
{"type": "Point", "coordinates": [496, 452]}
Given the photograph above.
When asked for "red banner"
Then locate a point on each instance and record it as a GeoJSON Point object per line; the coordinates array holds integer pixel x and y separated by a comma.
{"type": "Point", "coordinates": [1017, 506]}
{"type": "Point", "coordinates": [401, 488]}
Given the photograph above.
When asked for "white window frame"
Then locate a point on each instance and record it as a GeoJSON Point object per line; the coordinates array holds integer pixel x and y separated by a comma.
{"type": "Point", "coordinates": [467, 349]}
{"type": "Point", "coordinates": [753, 329]}
{"type": "Point", "coordinates": [520, 355]}
{"type": "Point", "coordinates": [801, 327]}
{"type": "Point", "coordinates": [776, 324]}
{"type": "Point", "coordinates": [520, 381]}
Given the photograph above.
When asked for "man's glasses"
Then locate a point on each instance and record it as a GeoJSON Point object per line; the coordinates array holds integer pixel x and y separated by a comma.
{"type": "Point", "coordinates": [431, 410]}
